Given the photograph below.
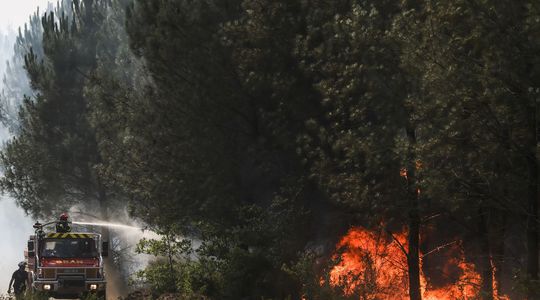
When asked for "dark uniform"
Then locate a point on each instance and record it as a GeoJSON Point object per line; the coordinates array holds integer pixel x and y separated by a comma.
{"type": "Point", "coordinates": [19, 279]}
{"type": "Point", "coordinates": [63, 226]}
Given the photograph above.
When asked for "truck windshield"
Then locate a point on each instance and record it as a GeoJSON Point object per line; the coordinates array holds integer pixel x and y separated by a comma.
{"type": "Point", "coordinates": [69, 248]}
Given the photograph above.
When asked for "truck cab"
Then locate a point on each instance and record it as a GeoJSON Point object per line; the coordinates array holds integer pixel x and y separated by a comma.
{"type": "Point", "coordinates": [67, 264]}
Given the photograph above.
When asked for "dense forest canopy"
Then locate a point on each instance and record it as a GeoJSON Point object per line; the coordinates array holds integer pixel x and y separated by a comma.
{"type": "Point", "coordinates": [258, 138]}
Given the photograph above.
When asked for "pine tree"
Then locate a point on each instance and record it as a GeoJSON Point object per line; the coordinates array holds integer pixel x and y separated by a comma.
{"type": "Point", "coordinates": [50, 164]}
{"type": "Point", "coordinates": [16, 85]}
{"type": "Point", "coordinates": [474, 59]}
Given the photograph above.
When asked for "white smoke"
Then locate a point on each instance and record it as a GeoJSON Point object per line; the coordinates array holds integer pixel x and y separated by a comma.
{"type": "Point", "coordinates": [15, 226]}
{"type": "Point", "coordinates": [16, 13]}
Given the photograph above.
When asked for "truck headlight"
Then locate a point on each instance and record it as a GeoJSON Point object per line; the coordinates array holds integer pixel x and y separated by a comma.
{"type": "Point", "coordinates": [47, 287]}
{"type": "Point", "coordinates": [93, 287]}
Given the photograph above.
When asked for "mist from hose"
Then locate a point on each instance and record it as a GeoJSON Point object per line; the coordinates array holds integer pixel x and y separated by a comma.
{"type": "Point", "coordinates": [123, 234]}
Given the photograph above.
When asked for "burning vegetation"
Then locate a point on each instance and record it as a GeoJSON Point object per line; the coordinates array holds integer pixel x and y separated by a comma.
{"type": "Point", "coordinates": [262, 129]}
{"type": "Point", "coordinates": [372, 264]}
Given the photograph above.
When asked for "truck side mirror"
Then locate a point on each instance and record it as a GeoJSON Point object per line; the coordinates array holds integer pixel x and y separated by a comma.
{"type": "Point", "coordinates": [31, 250]}
{"type": "Point", "coordinates": [105, 249]}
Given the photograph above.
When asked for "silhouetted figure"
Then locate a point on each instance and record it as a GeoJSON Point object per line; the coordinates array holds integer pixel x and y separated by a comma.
{"type": "Point", "coordinates": [18, 281]}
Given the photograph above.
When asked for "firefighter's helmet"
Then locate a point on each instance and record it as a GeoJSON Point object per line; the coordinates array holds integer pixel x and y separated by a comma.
{"type": "Point", "coordinates": [64, 217]}
{"type": "Point", "coordinates": [22, 264]}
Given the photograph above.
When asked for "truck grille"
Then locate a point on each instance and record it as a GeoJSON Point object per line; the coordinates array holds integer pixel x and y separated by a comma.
{"type": "Point", "coordinates": [91, 273]}
{"type": "Point", "coordinates": [70, 271]}
{"type": "Point", "coordinates": [49, 273]}
{"type": "Point", "coordinates": [71, 281]}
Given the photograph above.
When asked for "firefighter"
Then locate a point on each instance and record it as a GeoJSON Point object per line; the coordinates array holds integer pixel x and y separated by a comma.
{"type": "Point", "coordinates": [19, 280]}
{"type": "Point", "coordinates": [62, 226]}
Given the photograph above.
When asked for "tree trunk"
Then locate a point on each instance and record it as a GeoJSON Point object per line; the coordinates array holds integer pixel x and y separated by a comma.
{"type": "Point", "coordinates": [532, 219]}
{"type": "Point", "coordinates": [413, 260]}
{"type": "Point", "coordinates": [532, 199]}
{"type": "Point", "coordinates": [171, 263]}
{"type": "Point", "coordinates": [102, 199]}
{"type": "Point", "coordinates": [413, 257]}
{"type": "Point", "coordinates": [497, 247]}
{"type": "Point", "coordinates": [486, 268]}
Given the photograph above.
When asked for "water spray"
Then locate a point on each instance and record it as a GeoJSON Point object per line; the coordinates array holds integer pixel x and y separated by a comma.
{"type": "Point", "coordinates": [132, 234]}
{"type": "Point", "coordinates": [108, 224]}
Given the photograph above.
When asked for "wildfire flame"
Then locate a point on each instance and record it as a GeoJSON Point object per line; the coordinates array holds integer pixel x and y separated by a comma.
{"type": "Point", "coordinates": [370, 265]}
{"type": "Point", "coordinates": [373, 265]}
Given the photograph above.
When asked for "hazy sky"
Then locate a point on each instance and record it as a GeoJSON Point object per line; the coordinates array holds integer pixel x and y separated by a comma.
{"type": "Point", "coordinates": [14, 225]}
{"type": "Point", "coordinates": [15, 13]}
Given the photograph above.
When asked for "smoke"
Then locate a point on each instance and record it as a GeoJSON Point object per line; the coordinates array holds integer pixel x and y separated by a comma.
{"type": "Point", "coordinates": [124, 234]}
{"type": "Point", "coordinates": [15, 226]}
{"type": "Point", "coordinates": [15, 13]}
{"type": "Point", "coordinates": [116, 286]}
{"type": "Point", "coordinates": [7, 39]}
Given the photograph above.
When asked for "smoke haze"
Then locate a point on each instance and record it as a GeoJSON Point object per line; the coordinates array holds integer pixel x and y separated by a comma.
{"type": "Point", "coordinates": [15, 13]}
{"type": "Point", "coordinates": [15, 226]}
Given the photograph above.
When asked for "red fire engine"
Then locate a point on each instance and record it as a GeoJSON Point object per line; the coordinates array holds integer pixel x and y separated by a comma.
{"type": "Point", "coordinates": [65, 264]}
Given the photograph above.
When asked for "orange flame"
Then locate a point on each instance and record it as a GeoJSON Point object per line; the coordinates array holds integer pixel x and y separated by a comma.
{"type": "Point", "coordinates": [373, 265]}
{"type": "Point", "coordinates": [370, 266]}
{"type": "Point", "coordinates": [403, 173]}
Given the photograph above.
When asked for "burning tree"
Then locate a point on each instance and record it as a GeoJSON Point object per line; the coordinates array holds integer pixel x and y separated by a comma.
{"type": "Point", "coordinates": [372, 264]}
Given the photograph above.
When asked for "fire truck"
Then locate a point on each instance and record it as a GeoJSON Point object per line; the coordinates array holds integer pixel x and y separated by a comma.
{"type": "Point", "coordinates": [66, 264]}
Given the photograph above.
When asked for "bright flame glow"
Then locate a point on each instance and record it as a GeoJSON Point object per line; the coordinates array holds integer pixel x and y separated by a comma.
{"type": "Point", "coordinates": [373, 265]}
{"type": "Point", "coordinates": [370, 265]}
